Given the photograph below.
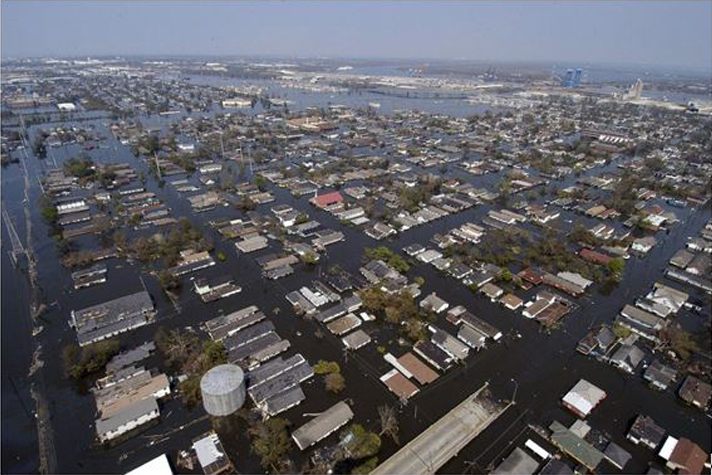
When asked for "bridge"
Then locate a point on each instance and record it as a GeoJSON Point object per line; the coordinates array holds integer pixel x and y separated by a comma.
{"type": "Point", "coordinates": [443, 440]}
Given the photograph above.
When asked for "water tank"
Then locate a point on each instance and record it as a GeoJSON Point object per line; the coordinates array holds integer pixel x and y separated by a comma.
{"type": "Point", "coordinates": [223, 389]}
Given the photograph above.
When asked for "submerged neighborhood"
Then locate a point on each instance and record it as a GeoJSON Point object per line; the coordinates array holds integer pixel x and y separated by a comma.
{"type": "Point", "coordinates": [332, 266]}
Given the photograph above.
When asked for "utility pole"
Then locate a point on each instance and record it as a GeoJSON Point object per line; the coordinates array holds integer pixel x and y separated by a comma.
{"type": "Point", "coordinates": [242, 159]}
{"type": "Point", "coordinates": [158, 167]}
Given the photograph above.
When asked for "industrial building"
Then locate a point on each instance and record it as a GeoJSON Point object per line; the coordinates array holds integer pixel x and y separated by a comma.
{"type": "Point", "coordinates": [127, 419]}
{"type": "Point", "coordinates": [111, 318]}
{"type": "Point", "coordinates": [221, 327]}
{"type": "Point", "coordinates": [223, 390]}
{"type": "Point", "coordinates": [275, 386]}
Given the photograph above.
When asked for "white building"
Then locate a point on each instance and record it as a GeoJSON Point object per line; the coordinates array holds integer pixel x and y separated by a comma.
{"type": "Point", "coordinates": [127, 419]}
{"type": "Point", "coordinates": [66, 107]}
{"type": "Point", "coordinates": [236, 103]}
{"type": "Point", "coordinates": [157, 466]}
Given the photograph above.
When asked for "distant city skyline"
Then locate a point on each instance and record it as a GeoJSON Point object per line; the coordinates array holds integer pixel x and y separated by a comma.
{"type": "Point", "coordinates": [675, 34]}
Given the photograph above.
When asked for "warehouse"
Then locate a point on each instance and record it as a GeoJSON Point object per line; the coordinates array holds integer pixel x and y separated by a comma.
{"type": "Point", "coordinates": [283, 401]}
{"type": "Point", "coordinates": [221, 327]}
{"type": "Point", "coordinates": [273, 369]}
{"type": "Point", "coordinates": [260, 349]}
{"type": "Point", "coordinates": [247, 335]}
{"type": "Point", "coordinates": [127, 419]}
{"type": "Point", "coordinates": [287, 379]}
{"type": "Point", "coordinates": [112, 318]}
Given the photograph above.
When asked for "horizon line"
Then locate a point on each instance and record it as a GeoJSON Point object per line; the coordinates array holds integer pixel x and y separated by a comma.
{"type": "Point", "coordinates": [680, 67]}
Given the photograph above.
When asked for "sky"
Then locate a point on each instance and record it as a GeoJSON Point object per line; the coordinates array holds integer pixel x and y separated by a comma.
{"type": "Point", "coordinates": [655, 33]}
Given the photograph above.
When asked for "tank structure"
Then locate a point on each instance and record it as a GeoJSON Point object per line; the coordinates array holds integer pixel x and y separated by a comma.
{"type": "Point", "coordinates": [223, 390]}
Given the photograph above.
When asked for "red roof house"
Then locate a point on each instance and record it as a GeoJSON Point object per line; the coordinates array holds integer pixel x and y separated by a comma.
{"type": "Point", "coordinates": [327, 199]}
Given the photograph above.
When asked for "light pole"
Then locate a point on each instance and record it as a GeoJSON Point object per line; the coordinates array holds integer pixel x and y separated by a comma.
{"type": "Point", "coordinates": [516, 386]}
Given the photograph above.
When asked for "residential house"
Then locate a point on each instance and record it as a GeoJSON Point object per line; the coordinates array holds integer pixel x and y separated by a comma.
{"type": "Point", "coordinates": [696, 392]}
{"type": "Point", "coordinates": [659, 375]}
{"type": "Point", "coordinates": [646, 431]}
{"type": "Point", "coordinates": [627, 358]}
{"type": "Point", "coordinates": [434, 303]}
{"type": "Point", "coordinates": [583, 398]}
{"type": "Point", "coordinates": [643, 245]}
{"type": "Point", "coordinates": [684, 456]}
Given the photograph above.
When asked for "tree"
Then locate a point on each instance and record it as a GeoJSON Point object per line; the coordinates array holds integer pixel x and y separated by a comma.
{"type": "Point", "coordinates": [385, 254]}
{"type": "Point", "coordinates": [309, 259]}
{"type": "Point", "coordinates": [679, 341]}
{"type": "Point", "coordinates": [80, 167]}
{"type": "Point", "coordinates": [620, 331]}
{"type": "Point", "coordinates": [389, 422]}
{"type": "Point", "coordinates": [363, 443]}
{"type": "Point", "coordinates": [176, 346]}
{"type": "Point", "coordinates": [168, 280]}
{"type": "Point", "coordinates": [413, 329]}
{"type": "Point", "coordinates": [373, 299]}
{"type": "Point", "coordinates": [81, 362]}
{"type": "Point", "coordinates": [48, 210]}
{"type": "Point", "coordinates": [246, 204]}
{"type": "Point", "coordinates": [39, 148]}
{"type": "Point", "coordinates": [260, 182]}
{"type": "Point", "coordinates": [270, 440]}
{"type": "Point", "coordinates": [214, 354]}
{"type": "Point", "coordinates": [106, 179]}
{"type": "Point", "coordinates": [190, 391]}
{"type": "Point", "coordinates": [616, 267]}
{"type": "Point", "coordinates": [334, 382]}
{"type": "Point", "coordinates": [326, 367]}
{"type": "Point", "coordinates": [367, 467]}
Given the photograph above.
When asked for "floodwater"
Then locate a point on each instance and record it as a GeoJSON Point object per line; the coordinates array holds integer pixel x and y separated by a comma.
{"type": "Point", "coordinates": [538, 368]}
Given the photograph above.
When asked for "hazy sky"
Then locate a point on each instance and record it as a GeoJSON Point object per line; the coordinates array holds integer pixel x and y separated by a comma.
{"type": "Point", "coordinates": [655, 33]}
